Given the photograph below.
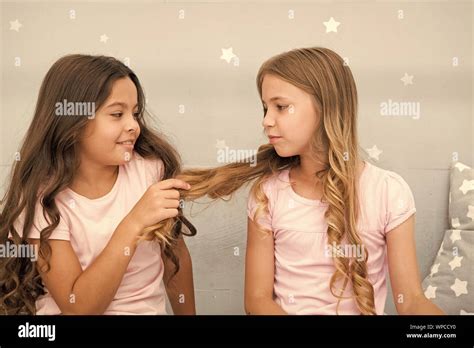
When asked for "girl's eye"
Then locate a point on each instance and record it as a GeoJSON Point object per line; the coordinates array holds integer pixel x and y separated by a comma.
{"type": "Point", "coordinates": [264, 111]}
{"type": "Point", "coordinates": [282, 107]}
{"type": "Point", "coordinates": [136, 115]}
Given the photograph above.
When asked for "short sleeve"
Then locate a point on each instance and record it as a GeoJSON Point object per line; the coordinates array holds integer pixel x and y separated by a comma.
{"type": "Point", "coordinates": [154, 168]}
{"type": "Point", "coordinates": [400, 203]}
{"type": "Point", "coordinates": [265, 219]}
{"type": "Point", "coordinates": [61, 232]}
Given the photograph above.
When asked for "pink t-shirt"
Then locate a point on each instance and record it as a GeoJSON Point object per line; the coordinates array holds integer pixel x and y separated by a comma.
{"type": "Point", "coordinates": [89, 224]}
{"type": "Point", "coordinates": [303, 262]}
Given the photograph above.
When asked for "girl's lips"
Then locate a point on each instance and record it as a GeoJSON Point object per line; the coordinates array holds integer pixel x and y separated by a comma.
{"type": "Point", "coordinates": [128, 146]}
{"type": "Point", "coordinates": [273, 139]}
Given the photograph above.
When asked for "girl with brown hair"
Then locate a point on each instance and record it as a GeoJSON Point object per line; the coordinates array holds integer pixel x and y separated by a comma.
{"type": "Point", "coordinates": [85, 191]}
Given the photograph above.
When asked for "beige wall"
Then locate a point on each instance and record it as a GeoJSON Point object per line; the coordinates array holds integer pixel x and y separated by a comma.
{"type": "Point", "coordinates": [178, 62]}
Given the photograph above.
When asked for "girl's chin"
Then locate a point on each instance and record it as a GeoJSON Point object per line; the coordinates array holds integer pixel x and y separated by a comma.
{"type": "Point", "coordinates": [284, 152]}
{"type": "Point", "coordinates": [126, 156]}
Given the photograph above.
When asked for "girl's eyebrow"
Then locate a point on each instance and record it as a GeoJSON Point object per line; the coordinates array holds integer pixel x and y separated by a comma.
{"type": "Point", "coordinates": [275, 98]}
{"type": "Point", "coordinates": [119, 104]}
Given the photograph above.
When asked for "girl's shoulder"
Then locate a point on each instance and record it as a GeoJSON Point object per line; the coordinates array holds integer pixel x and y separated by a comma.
{"type": "Point", "coordinates": [274, 183]}
{"type": "Point", "coordinates": [373, 177]}
{"type": "Point", "coordinates": [391, 192]}
{"type": "Point", "coordinates": [276, 180]}
{"type": "Point", "coordinates": [384, 180]}
{"type": "Point", "coordinates": [151, 167]}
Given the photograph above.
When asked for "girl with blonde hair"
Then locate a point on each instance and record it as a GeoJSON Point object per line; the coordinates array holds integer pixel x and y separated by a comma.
{"type": "Point", "coordinates": [323, 224]}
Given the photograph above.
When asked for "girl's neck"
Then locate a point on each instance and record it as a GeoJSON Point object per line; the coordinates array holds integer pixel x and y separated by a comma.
{"type": "Point", "coordinates": [309, 166]}
{"type": "Point", "coordinates": [94, 181]}
{"type": "Point", "coordinates": [304, 181]}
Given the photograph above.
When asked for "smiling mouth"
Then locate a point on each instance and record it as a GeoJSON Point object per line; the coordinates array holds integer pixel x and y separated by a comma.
{"type": "Point", "coordinates": [128, 142]}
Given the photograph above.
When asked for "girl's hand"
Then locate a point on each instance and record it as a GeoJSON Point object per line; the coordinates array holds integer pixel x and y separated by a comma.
{"type": "Point", "coordinates": [159, 202]}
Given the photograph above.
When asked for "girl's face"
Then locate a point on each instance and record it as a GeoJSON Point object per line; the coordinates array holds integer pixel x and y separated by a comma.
{"type": "Point", "coordinates": [290, 118]}
{"type": "Point", "coordinates": [114, 123]}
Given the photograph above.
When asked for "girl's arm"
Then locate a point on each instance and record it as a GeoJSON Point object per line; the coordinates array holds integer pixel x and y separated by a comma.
{"type": "Point", "coordinates": [90, 291]}
{"type": "Point", "coordinates": [408, 295]}
{"type": "Point", "coordinates": [259, 273]}
{"type": "Point", "coordinates": [180, 289]}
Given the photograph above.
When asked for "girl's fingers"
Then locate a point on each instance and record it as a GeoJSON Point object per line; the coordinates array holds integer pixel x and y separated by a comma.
{"type": "Point", "coordinates": [173, 183]}
{"type": "Point", "coordinates": [171, 194]}
{"type": "Point", "coordinates": [169, 213]}
{"type": "Point", "coordinates": [171, 203]}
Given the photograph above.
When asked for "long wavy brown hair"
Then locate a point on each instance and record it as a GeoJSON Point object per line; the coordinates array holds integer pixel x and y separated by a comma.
{"type": "Point", "coordinates": [323, 74]}
{"type": "Point", "coordinates": [49, 160]}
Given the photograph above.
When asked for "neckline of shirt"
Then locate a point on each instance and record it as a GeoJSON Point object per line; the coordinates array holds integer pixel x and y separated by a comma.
{"type": "Point", "coordinates": [314, 202]}
{"type": "Point", "coordinates": [104, 197]}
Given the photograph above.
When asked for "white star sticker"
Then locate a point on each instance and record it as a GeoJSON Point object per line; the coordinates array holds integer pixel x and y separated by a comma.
{"type": "Point", "coordinates": [440, 251]}
{"type": "Point", "coordinates": [434, 269]}
{"type": "Point", "coordinates": [331, 25]}
{"type": "Point", "coordinates": [463, 312]}
{"type": "Point", "coordinates": [104, 38]}
{"type": "Point", "coordinates": [455, 235]}
{"type": "Point", "coordinates": [470, 214]}
{"type": "Point", "coordinates": [220, 144]}
{"type": "Point", "coordinates": [15, 25]}
{"type": "Point", "coordinates": [459, 287]}
{"type": "Point", "coordinates": [227, 54]}
{"type": "Point", "coordinates": [407, 79]}
{"type": "Point", "coordinates": [455, 222]}
{"type": "Point", "coordinates": [430, 292]}
{"type": "Point", "coordinates": [461, 166]}
{"type": "Point", "coordinates": [374, 152]}
{"type": "Point", "coordinates": [467, 185]}
{"type": "Point", "coordinates": [455, 262]}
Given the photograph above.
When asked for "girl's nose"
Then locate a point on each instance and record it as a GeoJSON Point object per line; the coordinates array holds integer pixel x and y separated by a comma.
{"type": "Point", "coordinates": [268, 120]}
{"type": "Point", "coordinates": [132, 125]}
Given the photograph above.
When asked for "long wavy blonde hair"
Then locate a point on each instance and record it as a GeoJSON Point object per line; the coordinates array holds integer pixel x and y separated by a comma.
{"type": "Point", "coordinates": [324, 75]}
